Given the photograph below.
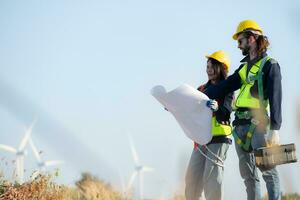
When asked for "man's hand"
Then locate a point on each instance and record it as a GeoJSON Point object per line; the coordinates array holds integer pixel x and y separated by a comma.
{"type": "Point", "coordinates": [272, 138]}
{"type": "Point", "coordinates": [213, 105]}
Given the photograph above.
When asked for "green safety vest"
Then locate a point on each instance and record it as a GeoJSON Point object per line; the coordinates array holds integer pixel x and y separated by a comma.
{"type": "Point", "coordinates": [245, 99]}
{"type": "Point", "coordinates": [219, 129]}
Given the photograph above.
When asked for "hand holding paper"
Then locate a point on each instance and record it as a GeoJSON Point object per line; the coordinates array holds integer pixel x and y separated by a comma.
{"type": "Point", "coordinates": [188, 106]}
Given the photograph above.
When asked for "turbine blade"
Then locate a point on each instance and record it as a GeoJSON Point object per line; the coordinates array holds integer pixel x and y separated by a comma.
{"type": "Point", "coordinates": [8, 148]}
{"type": "Point", "coordinates": [133, 175]}
{"type": "Point", "coordinates": [147, 169]}
{"type": "Point", "coordinates": [53, 162]}
{"type": "Point", "coordinates": [26, 136]}
{"type": "Point", "coordinates": [133, 151]}
{"type": "Point", "coordinates": [35, 174]}
{"type": "Point", "coordinates": [35, 151]}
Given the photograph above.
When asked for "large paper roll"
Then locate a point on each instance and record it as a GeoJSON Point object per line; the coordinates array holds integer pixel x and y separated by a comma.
{"type": "Point", "coordinates": [188, 106]}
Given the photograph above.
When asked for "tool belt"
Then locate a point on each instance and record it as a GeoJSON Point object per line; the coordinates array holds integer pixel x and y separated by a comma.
{"type": "Point", "coordinates": [247, 118]}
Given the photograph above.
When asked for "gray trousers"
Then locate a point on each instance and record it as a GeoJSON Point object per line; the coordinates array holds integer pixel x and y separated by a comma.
{"type": "Point", "coordinates": [203, 175]}
{"type": "Point", "coordinates": [248, 170]}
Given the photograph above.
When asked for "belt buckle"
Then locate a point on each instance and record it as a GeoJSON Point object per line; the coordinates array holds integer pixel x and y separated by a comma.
{"type": "Point", "coordinates": [254, 121]}
{"type": "Point", "coordinates": [244, 115]}
{"type": "Point", "coordinates": [251, 78]}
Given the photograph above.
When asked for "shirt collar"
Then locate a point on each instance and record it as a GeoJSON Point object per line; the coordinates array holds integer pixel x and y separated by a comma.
{"type": "Point", "coordinates": [247, 58]}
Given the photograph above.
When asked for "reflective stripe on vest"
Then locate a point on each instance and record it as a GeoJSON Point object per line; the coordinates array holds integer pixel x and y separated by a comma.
{"type": "Point", "coordinates": [219, 129]}
{"type": "Point", "coordinates": [245, 99]}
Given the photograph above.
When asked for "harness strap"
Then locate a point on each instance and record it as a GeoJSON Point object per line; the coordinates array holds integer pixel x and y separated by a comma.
{"type": "Point", "coordinates": [259, 78]}
{"type": "Point", "coordinates": [245, 145]}
{"type": "Point", "coordinates": [247, 115]}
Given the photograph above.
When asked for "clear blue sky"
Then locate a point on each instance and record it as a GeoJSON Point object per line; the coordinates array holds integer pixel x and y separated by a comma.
{"type": "Point", "coordinates": [85, 68]}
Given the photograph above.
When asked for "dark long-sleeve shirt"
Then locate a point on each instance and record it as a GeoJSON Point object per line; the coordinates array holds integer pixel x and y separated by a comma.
{"type": "Point", "coordinates": [271, 84]}
{"type": "Point", "coordinates": [222, 114]}
{"type": "Point", "coordinates": [224, 102]}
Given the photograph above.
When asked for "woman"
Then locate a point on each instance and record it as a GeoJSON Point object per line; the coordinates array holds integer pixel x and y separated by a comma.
{"type": "Point", "coordinates": [206, 166]}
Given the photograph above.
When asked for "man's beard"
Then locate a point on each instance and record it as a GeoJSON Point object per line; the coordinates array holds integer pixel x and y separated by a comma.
{"type": "Point", "coordinates": [246, 50]}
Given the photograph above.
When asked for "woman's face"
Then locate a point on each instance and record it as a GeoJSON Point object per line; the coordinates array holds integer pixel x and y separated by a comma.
{"type": "Point", "coordinates": [211, 73]}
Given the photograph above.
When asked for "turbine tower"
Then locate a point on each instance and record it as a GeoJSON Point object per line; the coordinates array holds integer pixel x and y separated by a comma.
{"type": "Point", "coordinates": [138, 170]}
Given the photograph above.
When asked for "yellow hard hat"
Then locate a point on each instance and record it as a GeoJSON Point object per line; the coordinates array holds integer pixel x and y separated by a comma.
{"type": "Point", "coordinates": [222, 57]}
{"type": "Point", "coordinates": [247, 25]}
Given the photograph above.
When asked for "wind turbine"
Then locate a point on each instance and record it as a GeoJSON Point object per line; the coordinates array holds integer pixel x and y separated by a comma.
{"type": "Point", "coordinates": [138, 170]}
{"type": "Point", "coordinates": [22, 108]}
{"type": "Point", "coordinates": [41, 163]}
{"type": "Point", "coordinates": [20, 153]}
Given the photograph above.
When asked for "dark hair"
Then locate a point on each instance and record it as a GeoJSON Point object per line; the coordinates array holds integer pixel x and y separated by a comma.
{"type": "Point", "coordinates": [219, 68]}
{"type": "Point", "coordinates": [262, 42]}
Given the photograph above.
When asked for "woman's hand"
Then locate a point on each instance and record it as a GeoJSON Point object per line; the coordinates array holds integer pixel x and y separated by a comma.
{"type": "Point", "coordinates": [213, 105]}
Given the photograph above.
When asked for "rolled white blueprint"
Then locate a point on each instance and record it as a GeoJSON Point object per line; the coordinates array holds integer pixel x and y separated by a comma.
{"type": "Point", "coordinates": [188, 106]}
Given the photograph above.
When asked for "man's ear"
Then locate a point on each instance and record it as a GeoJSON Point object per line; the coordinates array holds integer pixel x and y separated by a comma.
{"type": "Point", "coordinates": [251, 39]}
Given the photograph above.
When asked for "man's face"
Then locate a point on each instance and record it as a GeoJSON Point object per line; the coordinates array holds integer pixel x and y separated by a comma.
{"type": "Point", "coordinates": [243, 44]}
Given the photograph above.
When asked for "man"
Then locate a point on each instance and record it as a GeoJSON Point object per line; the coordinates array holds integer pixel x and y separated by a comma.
{"type": "Point", "coordinates": [259, 81]}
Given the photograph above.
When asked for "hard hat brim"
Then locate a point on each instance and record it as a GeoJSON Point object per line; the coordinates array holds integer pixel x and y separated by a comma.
{"type": "Point", "coordinates": [226, 65]}
{"type": "Point", "coordinates": [235, 36]}
{"type": "Point", "coordinates": [257, 32]}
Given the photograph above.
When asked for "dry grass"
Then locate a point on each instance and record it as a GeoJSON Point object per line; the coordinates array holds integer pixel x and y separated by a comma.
{"type": "Point", "coordinates": [178, 197]}
{"type": "Point", "coordinates": [87, 188]}
{"type": "Point", "coordinates": [43, 188]}
{"type": "Point", "coordinates": [90, 187]}
{"type": "Point", "coordinates": [293, 196]}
